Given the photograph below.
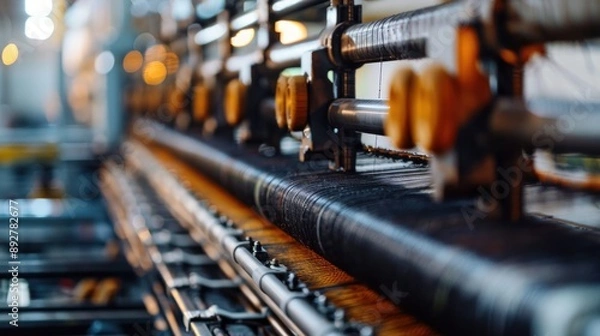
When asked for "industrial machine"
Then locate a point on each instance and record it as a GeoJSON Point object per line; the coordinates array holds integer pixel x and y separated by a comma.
{"type": "Point", "coordinates": [310, 167]}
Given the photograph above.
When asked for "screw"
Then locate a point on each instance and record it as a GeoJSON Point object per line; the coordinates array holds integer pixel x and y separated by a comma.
{"type": "Point", "coordinates": [366, 331]}
{"type": "Point", "coordinates": [321, 301]}
{"type": "Point", "coordinates": [292, 281]}
{"type": "Point", "coordinates": [339, 318]}
{"type": "Point", "coordinates": [259, 253]}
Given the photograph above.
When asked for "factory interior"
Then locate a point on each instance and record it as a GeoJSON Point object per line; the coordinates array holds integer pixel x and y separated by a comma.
{"type": "Point", "coordinates": [300, 167]}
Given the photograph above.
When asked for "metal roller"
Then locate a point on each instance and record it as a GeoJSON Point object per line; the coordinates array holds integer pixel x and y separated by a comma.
{"type": "Point", "coordinates": [285, 55]}
{"type": "Point", "coordinates": [511, 120]}
{"type": "Point", "coordinates": [534, 21]}
{"type": "Point", "coordinates": [573, 132]}
{"type": "Point", "coordinates": [408, 35]}
{"type": "Point", "coordinates": [365, 116]}
{"type": "Point", "coordinates": [402, 36]}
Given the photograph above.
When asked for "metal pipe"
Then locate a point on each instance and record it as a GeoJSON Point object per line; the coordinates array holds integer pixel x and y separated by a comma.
{"type": "Point", "coordinates": [574, 132]}
{"type": "Point", "coordinates": [535, 21]}
{"type": "Point", "coordinates": [286, 7]}
{"type": "Point", "coordinates": [282, 55]}
{"type": "Point", "coordinates": [365, 116]}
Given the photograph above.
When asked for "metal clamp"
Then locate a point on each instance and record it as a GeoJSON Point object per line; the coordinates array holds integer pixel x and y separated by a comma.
{"type": "Point", "coordinates": [214, 314]}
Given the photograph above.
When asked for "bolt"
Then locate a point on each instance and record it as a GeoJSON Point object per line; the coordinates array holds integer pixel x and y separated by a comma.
{"type": "Point", "coordinates": [339, 318]}
{"type": "Point", "coordinates": [259, 253]}
{"type": "Point", "coordinates": [366, 331]}
{"type": "Point", "coordinates": [292, 281]}
{"type": "Point", "coordinates": [321, 301]}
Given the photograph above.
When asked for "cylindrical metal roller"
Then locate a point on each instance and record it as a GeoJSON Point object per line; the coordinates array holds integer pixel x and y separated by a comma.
{"type": "Point", "coordinates": [407, 35]}
{"type": "Point", "coordinates": [366, 116]}
{"type": "Point", "coordinates": [285, 7]}
{"type": "Point", "coordinates": [402, 36]}
{"type": "Point", "coordinates": [534, 21]}
{"type": "Point", "coordinates": [573, 132]}
{"type": "Point", "coordinates": [281, 55]}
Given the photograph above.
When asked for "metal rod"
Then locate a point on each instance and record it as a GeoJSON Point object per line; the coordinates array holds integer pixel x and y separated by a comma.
{"type": "Point", "coordinates": [286, 7]}
{"type": "Point", "coordinates": [534, 21]}
{"type": "Point", "coordinates": [291, 304]}
{"type": "Point", "coordinates": [365, 116]}
{"type": "Point", "coordinates": [575, 131]}
{"type": "Point", "coordinates": [283, 55]}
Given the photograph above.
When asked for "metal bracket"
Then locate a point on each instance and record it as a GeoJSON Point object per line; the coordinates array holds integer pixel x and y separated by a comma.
{"type": "Point", "coordinates": [216, 314]}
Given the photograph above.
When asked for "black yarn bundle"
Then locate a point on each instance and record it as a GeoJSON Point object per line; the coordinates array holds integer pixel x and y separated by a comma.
{"type": "Point", "coordinates": [381, 226]}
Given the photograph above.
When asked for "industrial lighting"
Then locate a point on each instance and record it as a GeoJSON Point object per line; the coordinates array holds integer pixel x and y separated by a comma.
{"type": "Point", "coordinates": [133, 61]}
{"type": "Point", "coordinates": [290, 31]}
{"type": "Point", "coordinates": [242, 38]}
{"type": "Point", "coordinates": [38, 8]}
{"type": "Point", "coordinates": [39, 28]}
{"type": "Point", "coordinates": [155, 73]}
{"type": "Point", "coordinates": [10, 54]}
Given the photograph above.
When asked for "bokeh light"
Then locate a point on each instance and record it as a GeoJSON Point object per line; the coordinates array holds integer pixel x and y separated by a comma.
{"type": "Point", "coordinates": [155, 73]}
{"type": "Point", "coordinates": [133, 61]}
{"type": "Point", "coordinates": [10, 54]}
{"type": "Point", "coordinates": [38, 8]}
{"type": "Point", "coordinates": [242, 38]}
{"type": "Point", "coordinates": [172, 62]}
{"type": "Point", "coordinates": [290, 31]}
{"type": "Point", "coordinates": [39, 28]}
{"type": "Point", "coordinates": [105, 61]}
{"type": "Point", "coordinates": [156, 52]}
